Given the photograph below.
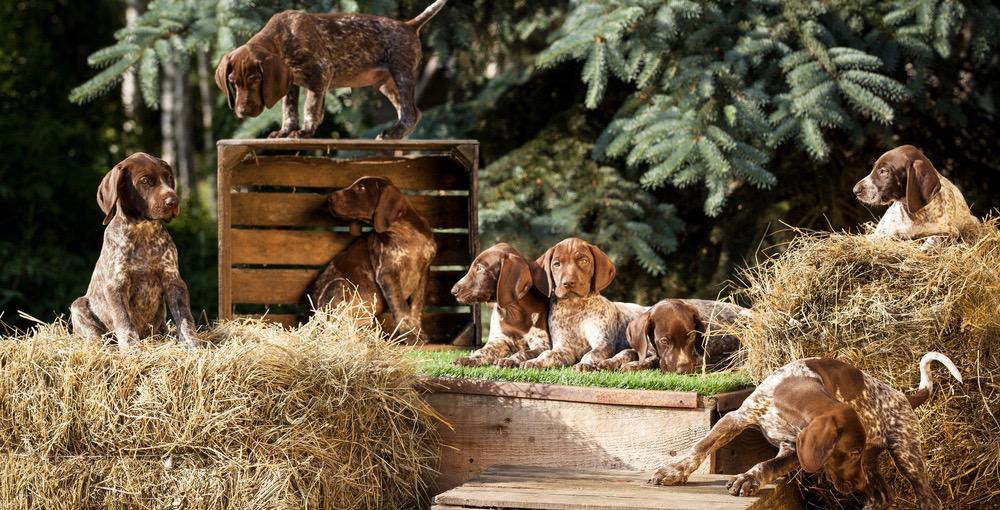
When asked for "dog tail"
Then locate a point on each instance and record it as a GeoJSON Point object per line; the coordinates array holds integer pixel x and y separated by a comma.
{"type": "Point", "coordinates": [926, 381]}
{"type": "Point", "coordinates": [425, 16]}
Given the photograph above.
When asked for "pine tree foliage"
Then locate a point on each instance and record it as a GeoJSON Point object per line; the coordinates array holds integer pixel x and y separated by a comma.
{"type": "Point", "coordinates": [718, 87]}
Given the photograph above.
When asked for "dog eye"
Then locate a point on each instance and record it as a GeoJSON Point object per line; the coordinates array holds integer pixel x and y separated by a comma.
{"type": "Point", "coordinates": [556, 264]}
{"type": "Point", "coordinates": [361, 187]}
{"type": "Point", "coordinates": [144, 180]}
{"type": "Point", "coordinates": [584, 261]}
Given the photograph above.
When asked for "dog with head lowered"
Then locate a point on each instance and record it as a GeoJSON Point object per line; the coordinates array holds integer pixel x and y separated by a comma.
{"type": "Point", "coordinates": [323, 51]}
{"type": "Point", "coordinates": [518, 325]}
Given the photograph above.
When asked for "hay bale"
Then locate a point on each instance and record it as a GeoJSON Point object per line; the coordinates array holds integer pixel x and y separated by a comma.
{"type": "Point", "coordinates": [880, 304]}
{"type": "Point", "coordinates": [324, 416]}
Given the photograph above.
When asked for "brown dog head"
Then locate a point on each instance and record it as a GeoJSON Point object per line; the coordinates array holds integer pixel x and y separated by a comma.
{"type": "Point", "coordinates": [140, 187]}
{"type": "Point", "coordinates": [902, 174]}
{"type": "Point", "coordinates": [673, 328]}
{"type": "Point", "coordinates": [574, 267]}
{"type": "Point", "coordinates": [503, 275]}
{"type": "Point", "coordinates": [374, 200]}
{"type": "Point", "coordinates": [253, 78]}
{"type": "Point", "coordinates": [835, 442]}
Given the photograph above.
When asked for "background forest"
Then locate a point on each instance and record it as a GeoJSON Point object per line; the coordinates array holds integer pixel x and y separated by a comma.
{"type": "Point", "coordinates": [683, 137]}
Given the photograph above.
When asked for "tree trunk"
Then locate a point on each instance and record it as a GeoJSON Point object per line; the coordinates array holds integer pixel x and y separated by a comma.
{"type": "Point", "coordinates": [130, 96]}
{"type": "Point", "coordinates": [206, 93]}
{"type": "Point", "coordinates": [167, 105]}
{"type": "Point", "coordinates": [182, 128]}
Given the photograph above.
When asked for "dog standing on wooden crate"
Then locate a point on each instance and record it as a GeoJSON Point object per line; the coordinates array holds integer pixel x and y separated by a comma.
{"type": "Point", "coordinates": [386, 269]}
{"type": "Point", "coordinates": [320, 52]}
{"type": "Point", "coordinates": [519, 322]}
{"type": "Point", "coordinates": [137, 269]}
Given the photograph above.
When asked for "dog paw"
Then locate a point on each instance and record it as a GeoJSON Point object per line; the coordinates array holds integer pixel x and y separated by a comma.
{"type": "Point", "coordinates": [281, 133]}
{"type": "Point", "coordinates": [470, 361]}
{"type": "Point", "coordinates": [632, 366]}
{"type": "Point", "coordinates": [743, 485]}
{"type": "Point", "coordinates": [584, 367]}
{"type": "Point", "coordinates": [300, 133]}
{"type": "Point", "coordinates": [507, 363]}
{"type": "Point", "coordinates": [607, 364]}
{"type": "Point", "coordinates": [671, 474]}
{"type": "Point", "coordinates": [532, 363]}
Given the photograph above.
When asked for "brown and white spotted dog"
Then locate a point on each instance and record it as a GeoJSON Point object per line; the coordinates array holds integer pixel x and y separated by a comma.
{"type": "Point", "coordinates": [824, 414]}
{"type": "Point", "coordinates": [922, 203]}
{"type": "Point", "coordinates": [320, 52]}
{"type": "Point", "coordinates": [137, 269]}
{"type": "Point", "coordinates": [386, 269]}
{"type": "Point", "coordinates": [679, 335]}
{"type": "Point", "coordinates": [584, 326]}
{"type": "Point", "coordinates": [519, 323]}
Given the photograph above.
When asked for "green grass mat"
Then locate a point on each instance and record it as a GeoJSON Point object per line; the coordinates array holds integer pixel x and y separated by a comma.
{"type": "Point", "coordinates": [438, 364]}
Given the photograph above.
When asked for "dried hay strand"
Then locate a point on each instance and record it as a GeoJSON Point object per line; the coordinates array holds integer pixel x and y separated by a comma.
{"type": "Point", "coordinates": [881, 304]}
{"type": "Point", "coordinates": [323, 416]}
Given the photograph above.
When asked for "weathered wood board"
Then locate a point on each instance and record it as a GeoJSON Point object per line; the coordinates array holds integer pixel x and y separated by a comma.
{"type": "Point", "coordinates": [276, 234]}
{"type": "Point", "coordinates": [557, 426]}
{"type": "Point", "coordinates": [546, 488]}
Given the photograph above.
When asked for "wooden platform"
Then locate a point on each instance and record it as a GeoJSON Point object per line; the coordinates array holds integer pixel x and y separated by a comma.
{"type": "Point", "coordinates": [538, 488]}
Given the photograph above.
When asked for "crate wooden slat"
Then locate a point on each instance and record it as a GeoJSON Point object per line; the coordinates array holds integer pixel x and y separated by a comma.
{"type": "Point", "coordinates": [546, 488]}
{"type": "Point", "coordinates": [276, 234]}
{"type": "Point", "coordinates": [258, 247]}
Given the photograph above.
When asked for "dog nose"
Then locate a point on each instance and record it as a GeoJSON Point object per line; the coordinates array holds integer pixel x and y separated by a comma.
{"type": "Point", "coordinates": [569, 283]}
{"type": "Point", "coordinates": [858, 189]}
{"type": "Point", "coordinates": [171, 200]}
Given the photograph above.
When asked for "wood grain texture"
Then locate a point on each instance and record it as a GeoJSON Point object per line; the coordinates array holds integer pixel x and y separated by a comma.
{"type": "Point", "coordinates": [546, 488]}
{"type": "Point", "coordinates": [487, 430]}
{"type": "Point", "coordinates": [317, 247]}
{"type": "Point", "coordinates": [288, 286]}
{"type": "Point", "coordinates": [562, 393]}
{"type": "Point", "coordinates": [310, 210]}
{"type": "Point", "coordinates": [333, 144]}
{"type": "Point", "coordinates": [417, 173]}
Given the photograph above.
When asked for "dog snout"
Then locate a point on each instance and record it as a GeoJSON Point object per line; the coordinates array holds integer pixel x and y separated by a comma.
{"type": "Point", "coordinates": [171, 200]}
{"type": "Point", "coordinates": [859, 188]}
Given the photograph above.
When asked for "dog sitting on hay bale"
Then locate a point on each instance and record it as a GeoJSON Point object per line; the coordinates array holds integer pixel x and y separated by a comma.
{"type": "Point", "coordinates": [323, 416]}
{"type": "Point", "coordinates": [879, 304]}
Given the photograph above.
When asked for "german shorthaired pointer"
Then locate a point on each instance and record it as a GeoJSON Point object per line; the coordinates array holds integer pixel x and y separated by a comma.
{"type": "Point", "coordinates": [321, 52]}
{"type": "Point", "coordinates": [585, 327]}
{"type": "Point", "coordinates": [679, 335]}
{"type": "Point", "coordinates": [387, 268]}
{"type": "Point", "coordinates": [519, 323]}
{"type": "Point", "coordinates": [824, 414]}
{"type": "Point", "coordinates": [137, 268]}
{"type": "Point", "coordinates": [924, 204]}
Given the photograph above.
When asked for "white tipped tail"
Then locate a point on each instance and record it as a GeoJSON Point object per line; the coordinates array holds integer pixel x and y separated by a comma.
{"type": "Point", "coordinates": [927, 381]}
{"type": "Point", "coordinates": [425, 16]}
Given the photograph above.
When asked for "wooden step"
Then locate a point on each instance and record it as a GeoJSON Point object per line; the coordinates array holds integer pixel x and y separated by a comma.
{"type": "Point", "coordinates": [545, 488]}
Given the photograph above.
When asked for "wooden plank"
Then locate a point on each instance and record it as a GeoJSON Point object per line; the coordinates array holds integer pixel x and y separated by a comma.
{"type": "Point", "coordinates": [742, 453]}
{"type": "Point", "coordinates": [486, 430]}
{"type": "Point", "coordinates": [287, 286]}
{"type": "Point", "coordinates": [437, 325]}
{"type": "Point", "coordinates": [310, 210]}
{"type": "Point", "coordinates": [332, 144]}
{"type": "Point", "coordinates": [423, 173]}
{"type": "Point", "coordinates": [725, 402]}
{"type": "Point", "coordinates": [227, 156]}
{"type": "Point", "coordinates": [546, 488]}
{"type": "Point", "coordinates": [563, 393]}
{"type": "Point", "coordinates": [317, 247]}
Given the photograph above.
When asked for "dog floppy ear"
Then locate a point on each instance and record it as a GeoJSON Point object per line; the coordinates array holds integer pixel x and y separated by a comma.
{"type": "Point", "coordinates": [109, 191]}
{"type": "Point", "coordinates": [275, 79]}
{"type": "Point", "coordinates": [699, 331]}
{"type": "Point", "coordinates": [604, 270]}
{"type": "Point", "coordinates": [388, 209]}
{"type": "Point", "coordinates": [815, 443]}
{"type": "Point", "coordinates": [638, 334]}
{"type": "Point", "coordinates": [514, 281]}
{"type": "Point", "coordinates": [222, 79]}
{"type": "Point", "coordinates": [543, 279]}
{"type": "Point", "coordinates": [922, 183]}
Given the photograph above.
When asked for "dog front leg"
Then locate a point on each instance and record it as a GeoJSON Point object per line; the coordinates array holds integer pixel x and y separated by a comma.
{"type": "Point", "coordinates": [878, 494]}
{"type": "Point", "coordinates": [121, 320]}
{"type": "Point", "coordinates": [398, 306]}
{"type": "Point", "coordinates": [313, 114]}
{"type": "Point", "coordinates": [559, 357]}
{"type": "Point", "coordinates": [289, 114]}
{"type": "Point", "coordinates": [723, 432]}
{"type": "Point", "coordinates": [619, 361]}
{"type": "Point", "coordinates": [749, 483]}
{"type": "Point", "coordinates": [179, 303]}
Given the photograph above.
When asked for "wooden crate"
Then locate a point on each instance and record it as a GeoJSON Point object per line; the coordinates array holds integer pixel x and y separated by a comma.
{"type": "Point", "coordinates": [544, 488]}
{"type": "Point", "coordinates": [557, 426]}
{"type": "Point", "coordinates": [276, 234]}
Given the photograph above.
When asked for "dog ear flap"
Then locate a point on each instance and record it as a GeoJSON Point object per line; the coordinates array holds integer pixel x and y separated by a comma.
{"type": "Point", "coordinates": [222, 79]}
{"type": "Point", "coordinates": [543, 281]}
{"type": "Point", "coordinates": [815, 443]}
{"type": "Point", "coordinates": [699, 331]}
{"type": "Point", "coordinates": [109, 191]}
{"type": "Point", "coordinates": [276, 80]}
{"type": "Point", "coordinates": [514, 281]}
{"type": "Point", "coordinates": [922, 184]}
{"type": "Point", "coordinates": [389, 207]}
{"type": "Point", "coordinates": [604, 270]}
{"type": "Point", "coordinates": [638, 334]}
